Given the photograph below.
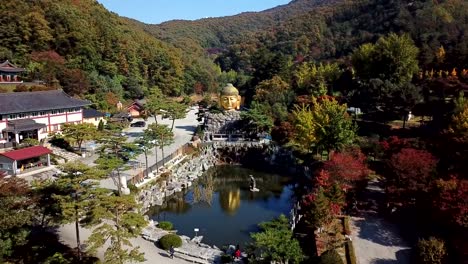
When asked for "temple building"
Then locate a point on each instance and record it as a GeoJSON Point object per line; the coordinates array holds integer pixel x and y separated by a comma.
{"type": "Point", "coordinates": [9, 73]}
{"type": "Point", "coordinates": [36, 114]}
{"type": "Point", "coordinates": [24, 160]}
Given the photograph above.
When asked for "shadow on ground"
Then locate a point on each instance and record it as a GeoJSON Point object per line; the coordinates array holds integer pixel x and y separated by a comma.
{"type": "Point", "coordinates": [164, 254]}
{"type": "Point", "coordinates": [402, 257]}
{"type": "Point", "coordinates": [188, 128]}
{"type": "Point", "coordinates": [378, 231]}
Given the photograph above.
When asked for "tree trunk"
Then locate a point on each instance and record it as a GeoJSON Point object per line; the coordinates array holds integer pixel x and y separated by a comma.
{"type": "Point", "coordinates": [173, 121]}
{"type": "Point", "coordinates": [162, 151]}
{"type": "Point", "coordinates": [156, 154]}
{"type": "Point", "coordinates": [77, 228]}
{"type": "Point", "coordinates": [119, 183]}
{"type": "Point", "coordinates": [146, 159]}
{"type": "Point", "coordinates": [80, 142]}
{"type": "Point", "coordinates": [117, 226]}
{"type": "Point", "coordinates": [155, 119]}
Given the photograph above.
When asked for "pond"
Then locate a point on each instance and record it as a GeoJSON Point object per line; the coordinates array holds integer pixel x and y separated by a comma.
{"type": "Point", "coordinates": [221, 205]}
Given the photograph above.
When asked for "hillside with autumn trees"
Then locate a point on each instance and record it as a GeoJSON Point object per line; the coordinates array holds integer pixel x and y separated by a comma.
{"type": "Point", "coordinates": [352, 89]}
{"type": "Point", "coordinates": [88, 51]}
{"type": "Point", "coordinates": [301, 66]}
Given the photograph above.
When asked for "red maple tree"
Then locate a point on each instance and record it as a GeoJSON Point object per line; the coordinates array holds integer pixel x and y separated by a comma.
{"type": "Point", "coordinates": [347, 167]}
{"type": "Point", "coordinates": [410, 172]}
{"type": "Point", "coordinates": [452, 200]}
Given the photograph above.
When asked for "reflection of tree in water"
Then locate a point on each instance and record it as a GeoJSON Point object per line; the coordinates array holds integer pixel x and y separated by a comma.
{"type": "Point", "coordinates": [232, 184]}
{"type": "Point", "coordinates": [175, 204]}
{"type": "Point", "coordinates": [203, 190]}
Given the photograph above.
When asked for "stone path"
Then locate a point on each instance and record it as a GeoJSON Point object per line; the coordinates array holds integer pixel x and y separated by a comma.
{"type": "Point", "coordinates": [70, 156]}
{"type": "Point", "coordinates": [375, 240]}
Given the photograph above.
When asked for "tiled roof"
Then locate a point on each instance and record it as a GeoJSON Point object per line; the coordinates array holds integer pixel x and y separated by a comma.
{"type": "Point", "coordinates": [26, 153]}
{"type": "Point", "coordinates": [7, 66]}
{"type": "Point", "coordinates": [20, 125]}
{"type": "Point", "coordinates": [90, 113]}
{"type": "Point", "coordinates": [11, 103]}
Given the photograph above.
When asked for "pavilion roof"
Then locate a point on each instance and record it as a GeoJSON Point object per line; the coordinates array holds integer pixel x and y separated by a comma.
{"type": "Point", "coordinates": [7, 66]}
{"type": "Point", "coordinates": [26, 153]}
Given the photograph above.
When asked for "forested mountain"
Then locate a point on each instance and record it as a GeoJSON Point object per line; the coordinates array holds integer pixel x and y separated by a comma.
{"type": "Point", "coordinates": [87, 50]}
{"type": "Point", "coordinates": [329, 29]}
{"type": "Point", "coordinates": [220, 32]}
{"type": "Point", "coordinates": [258, 46]}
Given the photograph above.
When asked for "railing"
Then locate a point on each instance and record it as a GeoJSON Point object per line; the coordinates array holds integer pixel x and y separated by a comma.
{"type": "Point", "coordinates": [180, 151]}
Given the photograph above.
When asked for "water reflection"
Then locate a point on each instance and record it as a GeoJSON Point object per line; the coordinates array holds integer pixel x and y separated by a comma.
{"type": "Point", "coordinates": [221, 205]}
{"type": "Point", "coordinates": [230, 200]}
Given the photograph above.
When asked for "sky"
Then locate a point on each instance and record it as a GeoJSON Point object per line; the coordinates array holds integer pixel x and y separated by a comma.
{"type": "Point", "coordinates": [157, 11]}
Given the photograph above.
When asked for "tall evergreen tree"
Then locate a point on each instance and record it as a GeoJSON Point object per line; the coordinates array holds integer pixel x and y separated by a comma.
{"type": "Point", "coordinates": [276, 242]}
{"type": "Point", "coordinates": [77, 195]}
{"type": "Point", "coordinates": [120, 221]}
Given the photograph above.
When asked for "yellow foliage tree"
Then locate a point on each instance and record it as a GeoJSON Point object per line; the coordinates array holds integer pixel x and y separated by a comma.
{"type": "Point", "coordinates": [325, 125]}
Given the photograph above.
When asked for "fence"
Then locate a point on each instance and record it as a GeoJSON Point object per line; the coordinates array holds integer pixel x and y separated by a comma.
{"type": "Point", "coordinates": [180, 151]}
{"type": "Point", "coordinates": [7, 145]}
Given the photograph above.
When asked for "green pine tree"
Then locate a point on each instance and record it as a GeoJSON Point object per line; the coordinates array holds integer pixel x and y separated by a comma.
{"type": "Point", "coordinates": [119, 222]}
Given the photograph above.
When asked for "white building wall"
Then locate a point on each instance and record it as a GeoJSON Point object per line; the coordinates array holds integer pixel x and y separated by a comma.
{"type": "Point", "coordinates": [94, 120]}
{"type": "Point", "coordinates": [53, 122]}
{"type": "Point", "coordinates": [75, 117]}
{"type": "Point", "coordinates": [58, 119]}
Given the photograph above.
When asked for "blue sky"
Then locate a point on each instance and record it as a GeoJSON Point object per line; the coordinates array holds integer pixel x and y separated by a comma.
{"type": "Point", "coordinates": [157, 11]}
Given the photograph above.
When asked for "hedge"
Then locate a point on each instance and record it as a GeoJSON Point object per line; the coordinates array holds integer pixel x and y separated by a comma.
{"type": "Point", "coordinates": [165, 225]}
{"type": "Point", "coordinates": [330, 257]}
{"type": "Point", "coordinates": [170, 240]}
{"type": "Point", "coordinates": [347, 229]}
{"type": "Point", "coordinates": [350, 255]}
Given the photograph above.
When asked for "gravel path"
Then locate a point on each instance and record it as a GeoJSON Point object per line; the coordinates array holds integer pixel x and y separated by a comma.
{"type": "Point", "coordinates": [375, 240]}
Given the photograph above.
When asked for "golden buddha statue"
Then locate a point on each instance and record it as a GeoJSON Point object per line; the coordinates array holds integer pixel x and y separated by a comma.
{"type": "Point", "coordinates": [229, 98]}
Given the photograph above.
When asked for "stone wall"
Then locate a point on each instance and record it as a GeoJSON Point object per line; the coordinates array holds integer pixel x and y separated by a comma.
{"type": "Point", "coordinates": [210, 154]}
{"type": "Point", "coordinates": [181, 177]}
{"type": "Point", "coordinates": [223, 123]}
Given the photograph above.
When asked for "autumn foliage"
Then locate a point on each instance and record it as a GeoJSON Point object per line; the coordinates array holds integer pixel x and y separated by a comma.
{"type": "Point", "coordinates": [410, 172]}
{"type": "Point", "coordinates": [347, 167]}
{"type": "Point", "coordinates": [452, 200]}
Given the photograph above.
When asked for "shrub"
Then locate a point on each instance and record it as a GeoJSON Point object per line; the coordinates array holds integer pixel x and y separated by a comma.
{"type": "Point", "coordinates": [431, 250]}
{"type": "Point", "coordinates": [60, 142]}
{"type": "Point", "coordinates": [165, 225]}
{"type": "Point", "coordinates": [170, 240]}
{"type": "Point", "coordinates": [133, 188]}
{"type": "Point", "coordinates": [226, 258]}
{"type": "Point", "coordinates": [330, 257]}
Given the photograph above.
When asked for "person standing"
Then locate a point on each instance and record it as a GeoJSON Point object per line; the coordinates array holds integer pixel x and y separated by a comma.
{"type": "Point", "coordinates": [171, 252]}
{"type": "Point", "coordinates": [237, 254]}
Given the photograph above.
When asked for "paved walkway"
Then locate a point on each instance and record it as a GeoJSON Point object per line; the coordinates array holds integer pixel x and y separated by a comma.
{"type": "Point", "coordinates": [153, 254]}
{"type": "Point", "coordinates": [183, 131]}
{"type": "Point", "coordinates": [375, 240]}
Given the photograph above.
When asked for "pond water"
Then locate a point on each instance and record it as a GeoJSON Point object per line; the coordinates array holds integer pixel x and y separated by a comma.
{"type": "Point", "coordinates": [221, 205]}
